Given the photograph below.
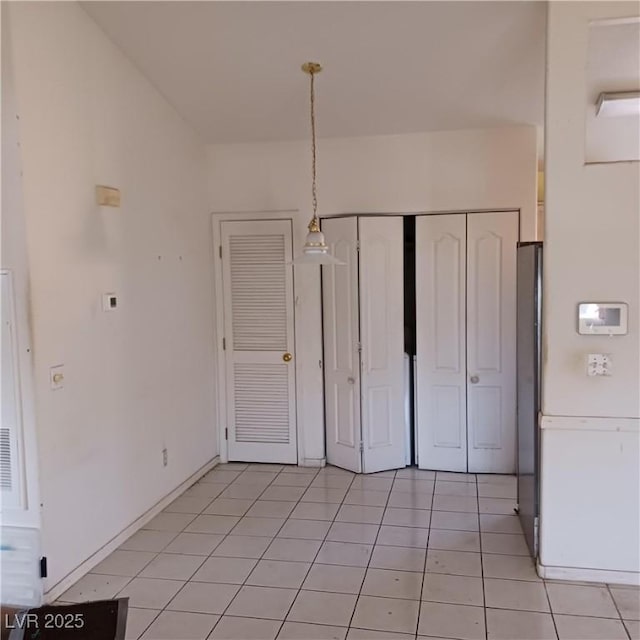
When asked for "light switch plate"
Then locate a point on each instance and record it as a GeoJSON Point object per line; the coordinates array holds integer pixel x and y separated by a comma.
{"type": "Point", "coordinates": [598, 364]}
{"type": "Point", "coordinates": [56, 377]}
{"type": "Point", "coordinates": [109, 301]}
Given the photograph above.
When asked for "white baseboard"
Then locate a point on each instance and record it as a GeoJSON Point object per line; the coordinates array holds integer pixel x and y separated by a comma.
{"type": "Point", "coordinates": [312, 462]}
{"type": "Point", "coordinates": [70, 579]}
{"type": "Point", "coordinates": [588, 575]}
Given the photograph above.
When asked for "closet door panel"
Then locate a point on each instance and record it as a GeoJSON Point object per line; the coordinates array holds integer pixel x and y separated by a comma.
{"type": "Point", "coordinates": [441, 420]}
{"type": "Point", "coordinates": [382, 335]}
{"type": "Point", "coordinates": [491, 346]}
{"type": "Point", "coordinates": [341, 336]}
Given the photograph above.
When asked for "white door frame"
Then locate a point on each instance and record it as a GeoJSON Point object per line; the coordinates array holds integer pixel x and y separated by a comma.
{"type": "Point", "coordinates": [220, 391]}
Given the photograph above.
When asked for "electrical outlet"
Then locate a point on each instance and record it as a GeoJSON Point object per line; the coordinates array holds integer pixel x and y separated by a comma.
{"type": "Point", "coordinates": [165, 457]}
{"type": "Point", "coordinates": [598, 364]}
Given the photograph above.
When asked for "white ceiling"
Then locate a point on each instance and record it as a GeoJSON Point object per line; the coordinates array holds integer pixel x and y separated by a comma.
{"type": "Point", "coordinates": [232, 69]}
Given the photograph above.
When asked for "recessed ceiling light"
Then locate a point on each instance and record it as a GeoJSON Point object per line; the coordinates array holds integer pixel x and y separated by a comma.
{"type": "Point", "coordinates": [621, 103]}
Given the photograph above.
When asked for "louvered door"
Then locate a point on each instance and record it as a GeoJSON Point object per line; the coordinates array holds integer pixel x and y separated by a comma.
{"type": "Point", "coordinates": [259, 340]}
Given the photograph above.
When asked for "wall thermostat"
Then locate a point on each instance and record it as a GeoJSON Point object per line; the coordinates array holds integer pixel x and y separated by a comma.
{"type": "Point", "coordinates": [602, 318]}
{"type": "Point", "coordinates": [109, 302]}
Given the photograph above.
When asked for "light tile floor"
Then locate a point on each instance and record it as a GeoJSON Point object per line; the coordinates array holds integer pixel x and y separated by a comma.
{"type": "Point", "coordinates": [258, 552]}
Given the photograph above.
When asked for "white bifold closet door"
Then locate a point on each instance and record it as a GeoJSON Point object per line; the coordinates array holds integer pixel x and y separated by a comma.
{"type": "Point", "coordinates": [466, 341]}
{"type": "Point", "coordinates": [364, 344]}
{"type": "Point", "coordinates": [259, 340]}
{"type": "Point", "coordinates": [382, 338]}
{"type": "Point", "coordinates": [492, 241]}
{"type": "Point", "coordinates": [441, 342]}
{"type": "Point", "coordinates": [341, 317]}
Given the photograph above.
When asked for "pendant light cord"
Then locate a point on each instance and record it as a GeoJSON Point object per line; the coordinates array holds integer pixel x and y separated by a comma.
{"type": "Point", "coordinates": [314, 197]}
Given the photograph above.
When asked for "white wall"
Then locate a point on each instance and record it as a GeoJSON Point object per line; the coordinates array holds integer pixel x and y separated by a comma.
{"type": "Point", "coordinates": [14, 259]}
{"type": "Point", "coordinates": [140, 378]}
{"type": "Point", "coordinates": [613, 64]}
{"type": "Point", "coordinates": [422, 172]}
{"type": "Point", "coordinates": [20, 532]}
{"type": "Point", "coordinates": [590, 512]}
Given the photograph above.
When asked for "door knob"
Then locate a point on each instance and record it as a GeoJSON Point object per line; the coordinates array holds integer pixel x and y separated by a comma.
{"type": "Point", "coordinates": [474, 379]}
{"type": "Point", "coordinates": [287, 357]}
{"type": "Point", "coordinates": [351, 380]}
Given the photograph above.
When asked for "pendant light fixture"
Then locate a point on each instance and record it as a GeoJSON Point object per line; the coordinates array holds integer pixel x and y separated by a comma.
{"type": "Point", "coordinates": [315, 250]}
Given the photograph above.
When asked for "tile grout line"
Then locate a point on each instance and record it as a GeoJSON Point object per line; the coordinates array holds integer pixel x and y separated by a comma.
{"type": "Point", "coordinates": [244, 583]}
{"type": "Point", "coordinates": [225, 536]}
{"type": "Point", "coordinates": [373, 546]}
{"type": "Point", "coordinates": [284, 620]}
{"type": "Point", "coordinates": [313, 477]}
{"type": "Point", "coordinates": [220, 616]}
{"type": "Point", "coordinates": [615, 604]}
{"type": "Point", "coordinates": [484, 595]}
{"type": "Point", "coordinates": [148, 626]}
{"type": "Point", "coordinates": [426, 553]}
{"type": "Point", "coordinates": [503, 608]}
{"type": "Point", "coordinates": [551, 612]}
{"type": "Point", "coordinates": [529, 581]}
{"type": "Point", "coordinates": [157, 553]}
{"type": "Point", "coordinates": [202, 513]}
{"type": "Point", "coordinates": [206, 557]}
{"type": "Point", "coordinates": [340, 504]}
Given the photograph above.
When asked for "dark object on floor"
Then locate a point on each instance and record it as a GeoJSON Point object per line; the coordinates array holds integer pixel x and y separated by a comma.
{"type": "Point", "coordinates": [99, 620]}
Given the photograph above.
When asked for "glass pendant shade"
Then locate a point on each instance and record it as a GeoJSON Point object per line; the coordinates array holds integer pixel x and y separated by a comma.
{"type": "Point", "coordinates": [315, 250]}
